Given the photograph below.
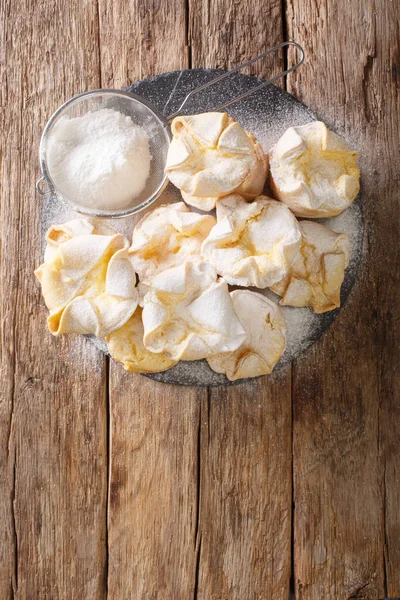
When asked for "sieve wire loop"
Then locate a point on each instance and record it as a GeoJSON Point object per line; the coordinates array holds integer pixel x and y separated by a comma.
{"type": "Point", "coordinates": [238, 68]}
{"type": "Point", "coordinates": [42, 186]}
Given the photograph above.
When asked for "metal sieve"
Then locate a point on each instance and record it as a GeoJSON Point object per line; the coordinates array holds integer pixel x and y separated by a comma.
{"type": "Point", "coordinates": [146, 116]}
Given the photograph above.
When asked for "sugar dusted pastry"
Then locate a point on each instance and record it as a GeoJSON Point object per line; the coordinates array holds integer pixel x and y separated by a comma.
{"type": "Point", "coordinates": [188, 313]}
{"type": "Point", "coordinates": [126, 346]}
{"type": "Point", "coordinates": [253, 244]}
{"type": "Point", "coordinates": [317, 274]}
{"type": "Point", "coordinates": [87, 279]}
{"type": "Point", "coordinates": [166, 237]}
{"type": "Point", "coordinates": [265, 326]}
{"type": "Point", "coordinates": [211, 156]}
{"type": "Point", "coordinates": [314, 171]}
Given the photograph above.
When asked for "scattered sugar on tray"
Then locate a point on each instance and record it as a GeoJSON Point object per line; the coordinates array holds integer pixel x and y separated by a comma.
{"type": "Point", "coordinates": [349, 222]}
{"type": "Point", "coordinates": [300, 323]}
{"type": "Point", "coordinates": [267, 115]}
{"type": "Point", "coordinates": [100, 160]}
{"type": "Point", "coordinates": [269, 130]}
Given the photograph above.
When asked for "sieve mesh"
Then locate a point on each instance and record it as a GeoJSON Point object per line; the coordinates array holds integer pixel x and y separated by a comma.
{"type": "Point", "coordinates": [142, 115]}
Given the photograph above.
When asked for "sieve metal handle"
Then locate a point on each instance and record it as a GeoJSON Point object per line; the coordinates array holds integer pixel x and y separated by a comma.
{"type": "Point", "coordinates": [245, 64]}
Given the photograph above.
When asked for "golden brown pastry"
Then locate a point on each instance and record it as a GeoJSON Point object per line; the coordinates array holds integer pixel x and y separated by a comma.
{"type": "Point", "coordinates": [87, 279]}
{"type": "Point", "coordinates": [317, 274]}
{"type": "Point", "coordinates": [314, 171]}
{"type": "Point", "coordinates": [166, 237]}
{"type": "Point", "coordinates": [211, 156]}
{"type": "Point", "coordinates": [188, 313]}
{"type": "Point", "coordinates": [265, 326]}
{"type": "Point", "coordinates": [126, 346]}
{"type": "Point", "coordinates": [253, 243]}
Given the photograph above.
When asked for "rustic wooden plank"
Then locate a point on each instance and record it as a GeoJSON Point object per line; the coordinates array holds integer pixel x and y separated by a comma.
{"type": "Point", "coordinates": [53, 418]}
{"type": "Point", "coordinates": [346, 402]}
{"type": "Point", "coordinates": [153, 489]}
{"type": "Point", "coordinates": [140, 39]}
{"type": "Point", "coordinates": [10, 172]}
{"type": "Point", "coordinates": [153, 498]}
{"type": "Point", "coordinates": [224, 34]}
{"type": "Point", "coordinates": [346, 440]}
{"type": "Point", "coordinates": [244, 533]}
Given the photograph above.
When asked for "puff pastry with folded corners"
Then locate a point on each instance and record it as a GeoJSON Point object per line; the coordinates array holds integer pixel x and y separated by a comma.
{"type": "Point", "coordinates": [265, 325]}
{"type": "Point", "coordinates": [317, 274]}
{"type": "Point", "coordinates": [314, 171]}
{"type": "Point", "coordinates": [253, 244]}
{"type": "Point", "coordinates": [211, 156]}
{"type": "Point", "coordinates": [188, 313]}
{"type": "Point", "coordinates": [88, 281]}
{"type": "Point", "coordinates": [126, 346]}
{"type": "Point", "coordinates": [166, 237]}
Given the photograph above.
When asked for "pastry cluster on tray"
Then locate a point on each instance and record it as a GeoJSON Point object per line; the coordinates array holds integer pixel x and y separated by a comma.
{"type": "Point", "coordinates": [165, 296]}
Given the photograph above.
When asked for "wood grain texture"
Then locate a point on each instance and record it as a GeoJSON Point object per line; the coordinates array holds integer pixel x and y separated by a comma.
{"type": "Point", "coordinates": [153, 499]}
{"type": "Point", "coordinates": [139, 39]}
{"type": "Point", "coordinates": [346, 388]}
{"type": "Point", "coordinates": [112, 485]}
{"type": "Point", "coordinates": [244, 531]}
{"type": "Point", "coordinates": [224, 34]}
{"type": "Point", "coordinates": [53, 420]}
{"type": "Point", "coordinates": [153, 507]}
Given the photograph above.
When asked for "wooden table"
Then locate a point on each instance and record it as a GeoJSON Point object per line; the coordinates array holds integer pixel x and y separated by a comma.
{"type": "Point", "coordinates": [113, 486]}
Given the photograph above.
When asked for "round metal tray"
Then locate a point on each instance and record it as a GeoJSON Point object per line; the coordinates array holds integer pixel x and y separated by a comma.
{"type": "Point", "coordinates": [267, 114]}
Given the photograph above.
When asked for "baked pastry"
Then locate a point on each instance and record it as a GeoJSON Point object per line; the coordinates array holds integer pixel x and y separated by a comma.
{"type": "Point", "coordinates": [211, 156]}
{"type": "Point", "coordinates": [87, 279]}
{"type": "Point", "coordinates": [188, 313]}
{"type": "Point", "coordinates": [314, 171]}
{"type": "Point", "coordinates": [253, 244]}
{"type": "Point", "coordinates": [265, 326]}
{"type": "Point", "coordinates": [126, 346]}
{"type": "Point", "coordinates": [317, 274]}
{"type": "Point", "coordinates": [166, 237]}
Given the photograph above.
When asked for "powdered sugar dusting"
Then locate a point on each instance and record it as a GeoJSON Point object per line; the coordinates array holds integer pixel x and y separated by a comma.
{"type": "Point", "coordinates": [101, 159]}
{"type": "Point", "coordinates": [267, 114]}
{"type": "Point", "coordinates": [269, 129]}
{"type": "Point", "coordinates": [351, 223]}
{"type": "Point", "coordinates": [300, 323]}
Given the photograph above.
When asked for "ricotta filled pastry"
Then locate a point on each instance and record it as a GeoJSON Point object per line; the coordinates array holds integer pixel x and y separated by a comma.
{"type": "Point", "coordinates": [126, 346]}
{"type": "Point", "coordinates": [317, 274]}
{"type": "Point", "coordinates": [314, 171]}
{"type": "Point", "coordinates": [211, 156]}
{"type": "Point", "coordinates": [88, 281]}
{"type": "Point", "coordinates": [252, 244]}
{"type": "Point", "coordinates": [166, 237]}
{"type": "Point", "coordinates": [265, 325]}
{"type": "Point", "coordinates": [188, 313]}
